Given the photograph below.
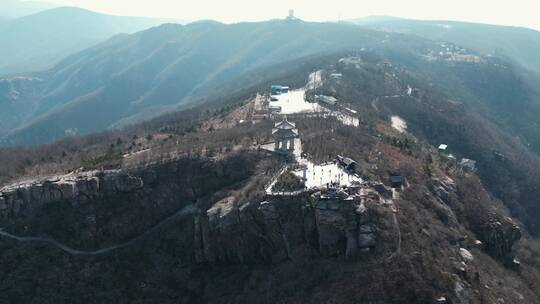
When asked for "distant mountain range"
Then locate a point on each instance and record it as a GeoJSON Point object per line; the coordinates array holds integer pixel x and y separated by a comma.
{"type": "Point", "coordinates": [129, 78]}
{"type": "Point", "coordinates": [10, 9]}
{"type": "Point", "coordinates": [519, 44]}
{"type": "Point", "coordinates": [40, 40]}
{"type": "Point", "coordinates": [155, 70]}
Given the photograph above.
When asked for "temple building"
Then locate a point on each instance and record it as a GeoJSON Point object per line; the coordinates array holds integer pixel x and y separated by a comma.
{"type": "Point", "coordinates": [284, 133]}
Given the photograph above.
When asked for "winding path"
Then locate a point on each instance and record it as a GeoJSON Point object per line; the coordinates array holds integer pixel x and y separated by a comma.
{"type": "Point", "coordinates": [190, 209]}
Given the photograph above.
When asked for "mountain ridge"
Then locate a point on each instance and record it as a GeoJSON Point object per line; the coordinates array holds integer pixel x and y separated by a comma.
{"type": "Point", "coordinates": [520, 44]}
{"type": "Point", "coordinates": [441, 236]}
{"type": "Point", "coordinates": [173, 66]}
{"type": "Point", "coordinates": [152, 63]}
{"type": "Point", "coordinates": [11, 9]}
{"type": "Point", "coordinates": [40, 40]}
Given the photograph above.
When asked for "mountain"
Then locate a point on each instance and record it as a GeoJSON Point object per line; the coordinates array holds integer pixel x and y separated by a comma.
{"type": "Point", "coordinates": [132, 77]}
{"type": "Point", "coordinates": [374, 19]}
{"type": "Point", "coordinates": [178, 209]}
{"type": "Point", "coordinates": [11, 9]}
{"type": "Point", "coordinates": [519, 44]}
{"type": "Point", "coordinates": [195, 206]}
{"type": "Point", "coordinates": [485, 108]}
{"type": "Point", "coordinates": [40, 40]}
{"type": "Point", "coordinates": [140, 75]}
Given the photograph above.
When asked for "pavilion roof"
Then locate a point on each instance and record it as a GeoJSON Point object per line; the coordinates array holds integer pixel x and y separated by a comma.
{"type": "Point", "coordinates": [285, 125]}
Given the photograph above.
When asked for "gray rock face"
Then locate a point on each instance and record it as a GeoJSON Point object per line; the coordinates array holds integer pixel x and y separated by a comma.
{"type": "Point", "coordinates": [336, 226]}
{"type": "Point", "coordinates": [442, 194]}
{"type": "Point", "coordinates": [283, 228]}
{"type": "Point", "coordinates": [22, 198]}
{"type": "Point", "coordinates": [499, 237]}
{"type": "Point", "coordinates": [253, 232]}
{"type": "Point", "coordinates": [344, 224]}
{"type": "Point", "coordinates": [366, 229]}
{"type": "Point", "coordinates": [91, 210]}
{"type": "Point", "coordinates": [121, 183]}
{"type": "Point", "coordinates": [269, 212]}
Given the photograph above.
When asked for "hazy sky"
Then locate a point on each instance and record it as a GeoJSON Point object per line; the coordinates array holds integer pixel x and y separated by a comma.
{"type": "Point", "coordinates": [515, 12]}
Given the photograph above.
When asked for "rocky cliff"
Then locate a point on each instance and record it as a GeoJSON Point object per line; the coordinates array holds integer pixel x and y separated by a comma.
{"type": "Point", "coordinates": [19, 200]}
{"type": "Point", "coordinates": [367, 245]}
{"type": "Point", "coordinates": [282, 228]}
{"type": "Point", "coordinates": [330, 223]}
{"type": "Point", "coordinates": [92, 207]}
{"type": "Point", "coordinates": [98, 208]}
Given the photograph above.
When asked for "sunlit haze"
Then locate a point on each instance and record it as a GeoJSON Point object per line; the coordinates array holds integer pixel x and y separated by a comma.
{"type": "Point", "coordinates": [515, 13]}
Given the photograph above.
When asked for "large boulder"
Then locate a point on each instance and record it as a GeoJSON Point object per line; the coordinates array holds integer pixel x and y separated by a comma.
{"type": "Point", "coordinates": [334, 222]}
{"type": "Point", "coordinates": [499, 237]}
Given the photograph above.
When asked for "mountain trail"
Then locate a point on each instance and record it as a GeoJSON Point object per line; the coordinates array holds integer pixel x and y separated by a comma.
{"type": "Point", "coordinates": [190, 209]}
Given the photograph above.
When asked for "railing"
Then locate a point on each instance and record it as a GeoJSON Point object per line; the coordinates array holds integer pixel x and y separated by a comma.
{"type": "Point", "coordinates": [273, 180]}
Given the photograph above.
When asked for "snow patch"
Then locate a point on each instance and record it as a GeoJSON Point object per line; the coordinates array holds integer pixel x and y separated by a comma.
{"type": "Point", "coordinates": [295, 102]}
{"type": "Point", "coordinates": [399, 124]}
{"type": "Point", "coordinates": [322, 175]}
{"type": "Point", "coordinates": [315, 80]}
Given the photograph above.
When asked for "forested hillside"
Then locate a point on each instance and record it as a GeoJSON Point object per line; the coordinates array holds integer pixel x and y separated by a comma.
{"type": "Point", "coordinates": [515, 43]}
{"type": "Point", "coordinates": [377, 161]}
{"type": "Point", "coordinates": [137, 76]}
{"type": "Point", "coordinates": [39, 41]}
{"type": "Point", "coordinates": [180, 201]}
{"type": "Point", "coordinates": [452, 110]}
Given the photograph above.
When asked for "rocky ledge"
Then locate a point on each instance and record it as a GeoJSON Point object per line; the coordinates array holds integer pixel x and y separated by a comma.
{"type": "Point", "coordinates": [331, 223]}
{"type": "Point", "coordinates": [74, 188]}
{"type": "Point", "coordinates": [499, 236]}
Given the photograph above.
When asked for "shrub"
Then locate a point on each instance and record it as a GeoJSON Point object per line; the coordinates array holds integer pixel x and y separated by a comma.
{"type": "Point", "coordinates": [288, 181]}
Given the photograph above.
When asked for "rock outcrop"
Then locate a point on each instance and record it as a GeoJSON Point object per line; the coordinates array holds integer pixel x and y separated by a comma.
{"type": "Point", "coordinates": [343, 225]}
{"type": "Point", "coordinates": [75, 189]}
{"type": "Point", "coordinates": [251, 233]}
{"type": "Point", "coordinates": [95, 209]}
{"type": "Point", "coordinates": [329, 224]}
{"type": "Point", "coordinates": [499, 236]}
